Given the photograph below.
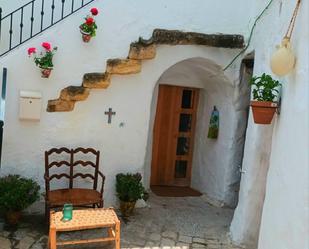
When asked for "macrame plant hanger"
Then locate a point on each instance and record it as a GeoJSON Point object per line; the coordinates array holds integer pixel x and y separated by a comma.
{"type": "Point", "coordinates": [289, 32]}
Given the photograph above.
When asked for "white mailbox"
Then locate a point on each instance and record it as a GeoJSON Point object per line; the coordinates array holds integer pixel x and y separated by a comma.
{"type": "Point", "coordinates": [30, 105]}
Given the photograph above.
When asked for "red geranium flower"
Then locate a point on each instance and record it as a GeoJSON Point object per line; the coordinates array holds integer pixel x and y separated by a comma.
{"type": "Point", "coordinates": [89, 21]}
{"type": "Point", "coordinates": [46, 45]}
{"type": "Point", "coordinates": [31, 51]}
{"type": "Point", "coordinates": [94, 11]}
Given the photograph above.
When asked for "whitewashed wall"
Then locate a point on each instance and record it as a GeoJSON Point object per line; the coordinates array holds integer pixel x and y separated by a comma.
{"type": "Point", "coordinates": [285, 213]}
{"type": "Point", "coordinates": [276, 156]}
{"type": "Point", "coordinates": [120, 22]}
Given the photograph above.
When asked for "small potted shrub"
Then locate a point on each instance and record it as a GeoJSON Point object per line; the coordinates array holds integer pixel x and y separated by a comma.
{"type": "Point", "coordinates": [45, 60]}
{"type": "Point", "coordinates": [129, 189]}
{"type": "Point", "coordinates": [88, 28]}
{"type": "Point", "coordinates": [265, 98]}
{"type": "Point", "coordinates": [16, 194]}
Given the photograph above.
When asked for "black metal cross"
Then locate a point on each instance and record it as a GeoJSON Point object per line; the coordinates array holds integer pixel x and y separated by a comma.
{"type": "Point", "coordinates": [110, 113]}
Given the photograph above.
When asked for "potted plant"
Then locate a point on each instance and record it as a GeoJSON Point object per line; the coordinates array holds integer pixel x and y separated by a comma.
{"type": "Point", "coordinates": [265, 98]}
{"type": "Point", "coordinates": [45, 60]}
{"type": "Point", "coordinates": [16, 194]}
{"type": "Point", "coordinates": [88, 28]}
{"type": "Point", "coordinates": [129, 189]}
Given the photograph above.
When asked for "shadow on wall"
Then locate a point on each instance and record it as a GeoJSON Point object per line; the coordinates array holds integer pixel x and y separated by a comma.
{"type": "Point", "coordinates": [215, 166]}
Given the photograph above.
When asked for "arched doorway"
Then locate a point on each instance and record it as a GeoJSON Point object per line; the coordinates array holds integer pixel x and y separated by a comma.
{"type": "Point", "coordinates": [215, 162]}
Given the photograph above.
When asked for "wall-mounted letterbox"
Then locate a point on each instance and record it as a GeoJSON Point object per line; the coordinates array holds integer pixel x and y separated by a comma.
{"type": "Point", "coordinates": [30, 105]}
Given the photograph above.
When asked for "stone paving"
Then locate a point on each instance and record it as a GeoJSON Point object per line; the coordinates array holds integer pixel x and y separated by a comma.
{"type": "Point", "coordinates": [180, 223]}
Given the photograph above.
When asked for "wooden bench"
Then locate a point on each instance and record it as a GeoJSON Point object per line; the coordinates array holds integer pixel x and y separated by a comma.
{"type": "Point", "coordinates": [82, 197]}
{"type": "Point", "coordinates": [83, 220]}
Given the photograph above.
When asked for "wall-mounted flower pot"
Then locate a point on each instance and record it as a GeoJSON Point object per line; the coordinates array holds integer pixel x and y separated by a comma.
{"type": "Point", "coordinates": [86, 36]}
{"type": "Point", "coordinates": [45, 72]}
{"type": "Point", "coordinates": [263, 111]}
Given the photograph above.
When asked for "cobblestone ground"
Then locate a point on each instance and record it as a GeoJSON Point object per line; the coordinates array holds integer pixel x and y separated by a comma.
{"type": "Point", "coordinates": [180, 223]}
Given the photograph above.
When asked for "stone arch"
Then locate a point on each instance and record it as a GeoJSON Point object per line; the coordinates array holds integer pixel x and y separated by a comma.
{"type": "Point", "coordinates": [215, 169]}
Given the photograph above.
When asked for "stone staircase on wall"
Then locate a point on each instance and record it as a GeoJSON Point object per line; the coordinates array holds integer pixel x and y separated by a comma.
{"type": "Point", "coordinates": [140, 50]}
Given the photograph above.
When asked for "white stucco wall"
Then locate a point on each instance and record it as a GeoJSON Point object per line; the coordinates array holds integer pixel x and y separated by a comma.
{"type": "Point", "coordinates": [285, 219]}
{"type": "Point", "coordinates": [123, 148]}
{"type": "Point", "coordinates": [281, 147]}
{"type": "Point", "coordinates": [274, 187]}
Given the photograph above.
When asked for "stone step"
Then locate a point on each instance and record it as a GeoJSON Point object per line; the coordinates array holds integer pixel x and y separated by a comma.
{"type": "Point", "coordinates": [74, 93]}
{"type": "Point", "coordinates": [96, 80]}
{"type": "Point", "coordinates": [123, 66]}
{"type": "Point", "coordinates": [60, 105]}
{"type": "Point", "coordinates": [140, 51]}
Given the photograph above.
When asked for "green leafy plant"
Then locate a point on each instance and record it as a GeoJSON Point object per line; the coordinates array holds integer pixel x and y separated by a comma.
{"type": "Point", "coordinates": [17, 193]}
{"type": "Point", "coordinates": [89, 26]}
{"type": "Point", "coordinates": [265, 88]}
{"type": "Point", "coordinates": [129, 187]}
{"type": "Point", "coordinates": [45, 60]}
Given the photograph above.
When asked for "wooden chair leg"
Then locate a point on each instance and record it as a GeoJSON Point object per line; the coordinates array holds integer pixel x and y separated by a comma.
{"type": "Point", "coordinates": [52, 238]}
{"type": "Point", "coordinates": [101, 204]}
{"type": "Point", "coordinates": [117, 233]}
{"type": "Point", "coordinates": [47, 213]}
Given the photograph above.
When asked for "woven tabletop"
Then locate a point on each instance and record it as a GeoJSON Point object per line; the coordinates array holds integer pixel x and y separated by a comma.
{"type": "Point", "coordinates": [84, 219]}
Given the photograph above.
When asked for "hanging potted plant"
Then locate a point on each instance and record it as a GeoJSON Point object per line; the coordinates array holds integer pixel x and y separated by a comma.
{"type": "Point", "coordinates": [88, 28]}
{"type": "Point", "coordinates": [265, 98]}
{"type": "Point", "coordinates": [16, 194]}
{"type": "Point", "coordinates": [129, 189]}
{"type": "Point", "coordinates": [45, 60]}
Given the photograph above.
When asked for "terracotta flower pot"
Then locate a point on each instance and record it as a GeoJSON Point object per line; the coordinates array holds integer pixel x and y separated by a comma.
{"type": "Point", "coordinates": [263, 111]}
{"type": "Point", "coordinates": [127, 207]}
{"type": "Point", "coordinates": [12, 217]}
{"type": "Point", "coordinates": [45, 72]}
{"type": "Point", "coordinates": [86, 36]}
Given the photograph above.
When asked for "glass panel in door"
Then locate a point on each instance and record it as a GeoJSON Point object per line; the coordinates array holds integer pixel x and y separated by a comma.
{"type": "Point", "coordinates": [185, 122]}
{"type": "Point", "coordinates": [187, 99]}
{"type": "Point", "coordinates": [181, 169]}
{"type": "Point", "coordinates": [183, 146]}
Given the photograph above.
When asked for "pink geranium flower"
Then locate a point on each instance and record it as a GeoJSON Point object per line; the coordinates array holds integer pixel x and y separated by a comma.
{"type": "Point", "coordinates": [31, 51]}
{"type": "Point", "coordinates": [46, 45]}
{"type": "Point", "coordinates": [94, 11]}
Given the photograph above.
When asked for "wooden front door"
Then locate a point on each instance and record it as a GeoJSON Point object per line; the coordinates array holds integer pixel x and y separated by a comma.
{"type": "Point", "coordinates": [173, 136]}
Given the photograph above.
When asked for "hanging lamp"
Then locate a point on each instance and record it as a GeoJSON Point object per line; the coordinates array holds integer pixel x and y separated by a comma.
{"type": "Point", "coordinates": [283, 59]}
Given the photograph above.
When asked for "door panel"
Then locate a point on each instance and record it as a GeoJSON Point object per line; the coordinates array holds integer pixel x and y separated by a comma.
{"type": "Point", "coordinates": [173, 136]}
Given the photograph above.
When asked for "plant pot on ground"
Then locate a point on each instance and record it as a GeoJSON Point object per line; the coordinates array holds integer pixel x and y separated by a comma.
{"type": "Point", "coordinates": [16, 194]}
{"type": "Point", "coordinates": [265, 98]}
{"type": "Point", "coordinates": [129, 189]}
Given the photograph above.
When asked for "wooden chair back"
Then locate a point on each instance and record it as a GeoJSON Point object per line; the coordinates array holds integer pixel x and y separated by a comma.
{"type": "Point", "coordinates": [72, 163]}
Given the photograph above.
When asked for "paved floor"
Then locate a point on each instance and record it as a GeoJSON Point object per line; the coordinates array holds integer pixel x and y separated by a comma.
{"type": "Point", "coordinates": [182, 223]}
